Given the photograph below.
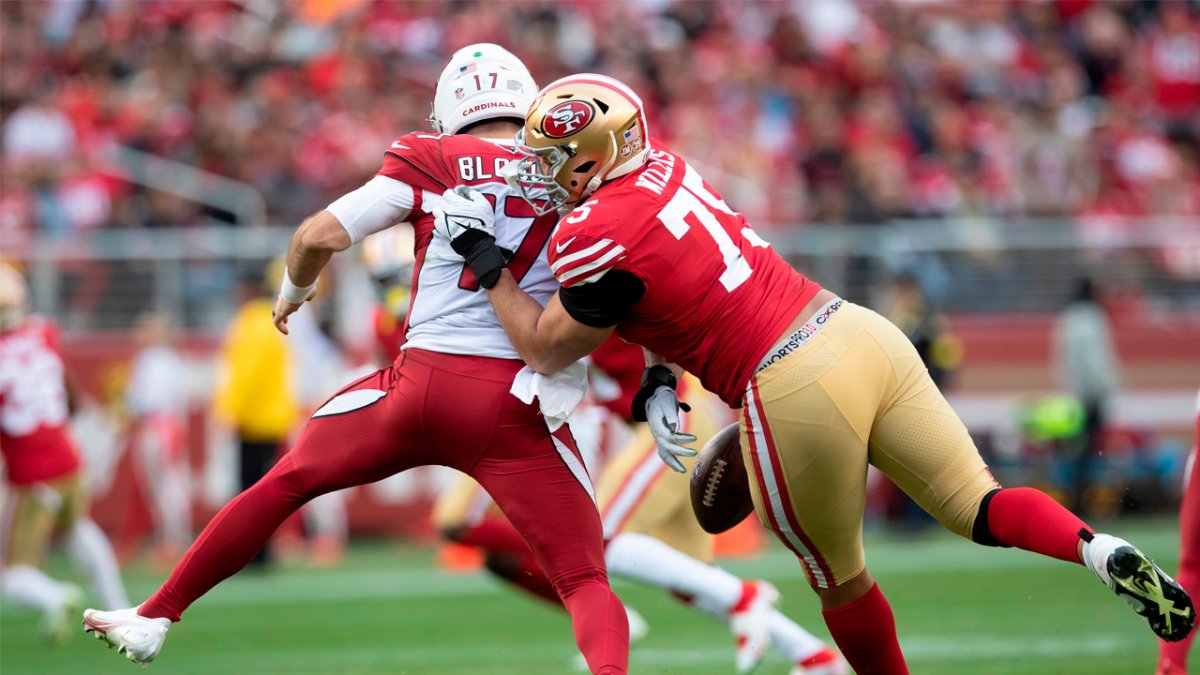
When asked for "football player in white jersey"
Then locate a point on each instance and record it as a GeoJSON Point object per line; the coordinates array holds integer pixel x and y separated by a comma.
{"type": "Point", "coordinates": [445, 400]}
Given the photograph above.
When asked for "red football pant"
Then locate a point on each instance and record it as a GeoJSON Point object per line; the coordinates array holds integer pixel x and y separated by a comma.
{"type": "Point", "coordinates": [431, 408]}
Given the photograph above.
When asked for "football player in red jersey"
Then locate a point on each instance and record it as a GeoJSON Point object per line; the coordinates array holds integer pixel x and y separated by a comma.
{"type": "Point", "coordinates": [648, 249]}
{"type": "Point", "coordinates": [43, 471]}
{"type": "Point", "coordinates": [445, 400]}
{"type": "Point", "coordinates": [1173, 656]}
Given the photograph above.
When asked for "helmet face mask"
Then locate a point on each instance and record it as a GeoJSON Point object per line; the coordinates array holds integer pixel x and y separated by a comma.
{"type": "Point", "coordinates": [535, 173]}
{"type": "Point", "coordinates": [582, 131]}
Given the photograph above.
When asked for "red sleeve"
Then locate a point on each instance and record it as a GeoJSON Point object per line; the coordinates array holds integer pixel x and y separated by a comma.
{"type": "Point", "coordinates": [51, 333]}
{"type": "Point", "coordinates": [417, 159]}
{"type": "Point", "coordinates": [581, 248]}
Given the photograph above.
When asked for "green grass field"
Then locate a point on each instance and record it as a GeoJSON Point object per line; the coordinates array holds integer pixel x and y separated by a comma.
{"type": "Point", "coordinates": [960, 608]}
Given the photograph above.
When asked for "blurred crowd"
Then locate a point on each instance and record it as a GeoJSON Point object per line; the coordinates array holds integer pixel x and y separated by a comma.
{"type": "Point", "coordinates": [830, 111]}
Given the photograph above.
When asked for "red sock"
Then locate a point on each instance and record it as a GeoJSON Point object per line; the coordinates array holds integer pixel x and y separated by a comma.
{"type": "Point", "coordinates": [1173, 656]}
{"type": "Point", "coordinates": [227, 543]}
{"type": "Point", "coordinates": [524, 573]}
{"type": "Point", "coordinates": [865, 631]}
{"type": "Point", "coordinates": [591, 605]}
{"type": "Point", "coordinates": [1030, 519]}
{"type": "Point", "coordinates": [494, 534]}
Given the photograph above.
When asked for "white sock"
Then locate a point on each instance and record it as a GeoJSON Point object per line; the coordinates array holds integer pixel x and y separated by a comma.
{"type": "Point", "coordinates": [93, 555]}
{"type": "Point", "coordinates": [31, 587]}
{"type": "Point", "coordinates": [789, 638]}
{"type": "Point", "coordinates": [1097, 551]}
{"type": "Point", "coordinates": [648, 560]}
{"type": "Point", "coordinates": [786, 635]}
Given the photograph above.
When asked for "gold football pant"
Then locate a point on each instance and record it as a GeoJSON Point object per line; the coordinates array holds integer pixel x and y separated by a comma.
{"type": "Point", "coordinates": [639, 493]}
{"type": "Point", "coordinates": [855, 393]}
{"type": "Point", "coordinates": [33, 512]}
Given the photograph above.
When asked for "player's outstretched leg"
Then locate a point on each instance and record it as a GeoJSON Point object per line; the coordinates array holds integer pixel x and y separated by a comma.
{"type": "Point", "coordinates": [333, 452]}
{"type": "Point", "coordinates": [136, 637]}
{"type": "Point", "coordinates": [1031, 520]}
{"type": "Point", "coordinates": [1149, 591]}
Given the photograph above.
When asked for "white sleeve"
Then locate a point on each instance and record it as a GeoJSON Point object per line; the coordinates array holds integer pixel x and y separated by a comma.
{"type": "Point", "coordinates": [380, 203]}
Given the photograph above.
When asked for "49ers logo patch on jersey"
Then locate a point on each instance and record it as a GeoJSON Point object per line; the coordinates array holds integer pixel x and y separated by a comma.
{"type": "Point", "coordinates": [567, 118]}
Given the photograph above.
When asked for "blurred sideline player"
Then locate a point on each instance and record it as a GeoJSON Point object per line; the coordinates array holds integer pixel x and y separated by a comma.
{"type": "Point", "coordinates": [650, 531]}
{"type": "Point", "coordinates": [1173, 656]}
{"type": "Point", "coordinates": [44, 490]}
{"type": "Point", "coordinates": [157, 399]}
{"type": "Point", "coordinates": [445, 400]}
{"type": "Point", "coordinates": [256, 392]}
{"type": "Point", "coordinates": [827, 387]}
{"type": "Point", "coordinates": [388, 258]}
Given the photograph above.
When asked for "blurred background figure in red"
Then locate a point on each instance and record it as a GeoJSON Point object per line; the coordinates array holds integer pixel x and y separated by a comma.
{"type": "Point", "coordinates": [158, 402]}
{"type": "Point", "coordinates": [44, 492]}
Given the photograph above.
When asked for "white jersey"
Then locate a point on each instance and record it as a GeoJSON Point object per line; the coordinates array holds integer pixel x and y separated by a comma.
{"type": "Point", "coordinates": [449, 312]}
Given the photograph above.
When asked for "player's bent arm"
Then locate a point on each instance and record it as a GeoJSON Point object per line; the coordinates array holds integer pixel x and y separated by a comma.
{"type": "Point", "coordinates": [549, 339]}
{"type": "Point", "coordinates": [312, 245]}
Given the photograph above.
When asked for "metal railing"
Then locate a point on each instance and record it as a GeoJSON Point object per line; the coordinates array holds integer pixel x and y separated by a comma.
{"type": "Point", "coordinates": [106, 278]}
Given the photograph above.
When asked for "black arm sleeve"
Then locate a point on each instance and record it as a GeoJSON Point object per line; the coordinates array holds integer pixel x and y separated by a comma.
{"type": "Point", "coordinates": [603, 302]}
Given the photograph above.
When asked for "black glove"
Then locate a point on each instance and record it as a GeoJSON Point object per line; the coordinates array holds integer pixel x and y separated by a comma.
{"type": "Point", "coordinates": [483, 256]}
{"type": "Point", "coordinates": [653, 378]}
{"type": "Point", "coordinates": [465, 218]}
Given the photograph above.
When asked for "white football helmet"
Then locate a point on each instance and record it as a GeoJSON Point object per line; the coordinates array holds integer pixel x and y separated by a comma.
{"type": "Point", "coordinates": [481, 82]}
{"type": "Point", "coordinates": [14, 298]}
{"type": "Point", "coordinates": [389, 259]}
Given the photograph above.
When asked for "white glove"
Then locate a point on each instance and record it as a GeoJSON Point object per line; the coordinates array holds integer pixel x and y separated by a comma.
{"type": "Point", "coordinates": [662, 414]}
{"type": "Point", "coordinates": [466, 218]}
{"type": "Point", "coordinates": [463, 210]}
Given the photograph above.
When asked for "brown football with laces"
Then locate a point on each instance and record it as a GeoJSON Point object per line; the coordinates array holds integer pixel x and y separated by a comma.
{"type": "Point", "coordinates": [720, 486]}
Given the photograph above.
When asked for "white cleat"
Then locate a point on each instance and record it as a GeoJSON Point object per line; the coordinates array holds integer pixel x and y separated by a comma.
{"type": "Point", "coordinates": [1149, 591]}
{"type": "Point", "coordinates": [58, 624]}
{"type": "Point", "coordinates": [750, 623]}
{"type": "Point", "coordinates": [134, 635]}
{"type": "Point", "coordinates": [825, 662]}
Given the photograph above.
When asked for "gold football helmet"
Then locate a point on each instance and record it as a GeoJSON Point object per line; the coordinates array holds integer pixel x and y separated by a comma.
{"type": "Point", "coordinates": [14, 298]}
{"type": "Point", "coordinates": [581, 131]}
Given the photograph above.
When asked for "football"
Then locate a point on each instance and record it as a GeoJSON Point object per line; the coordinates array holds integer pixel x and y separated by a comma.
{"type": "Point", "coordinates": [720, 487]}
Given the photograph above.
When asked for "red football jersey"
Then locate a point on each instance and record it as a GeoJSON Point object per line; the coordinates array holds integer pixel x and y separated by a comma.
{"type": "Point", "coordinates": [33, 405]}
{"type": "Point", "coordinates": [447, 313]}
{"type": "Point", "coordinates": [717, 297]}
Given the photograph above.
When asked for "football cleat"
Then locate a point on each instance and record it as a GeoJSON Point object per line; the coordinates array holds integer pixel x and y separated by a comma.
{"type": "Point", "coordinates": [825, 662]}
{"type": "Point", "coordinates": [1149, 591]}
{"type": "Point", "coordinates": [137, 637]}
{"type": "Point", "coordinates": [58, 624]}
{"type": "Point", "coordinates": [750, 620]}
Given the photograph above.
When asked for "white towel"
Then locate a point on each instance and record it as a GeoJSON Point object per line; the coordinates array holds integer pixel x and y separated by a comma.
{"type": "Point", "coordinates": [557, 394]}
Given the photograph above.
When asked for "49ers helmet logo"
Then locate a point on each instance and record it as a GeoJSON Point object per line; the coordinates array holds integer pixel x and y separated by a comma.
{"type": "Point", "coordinates": [566, 118]}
